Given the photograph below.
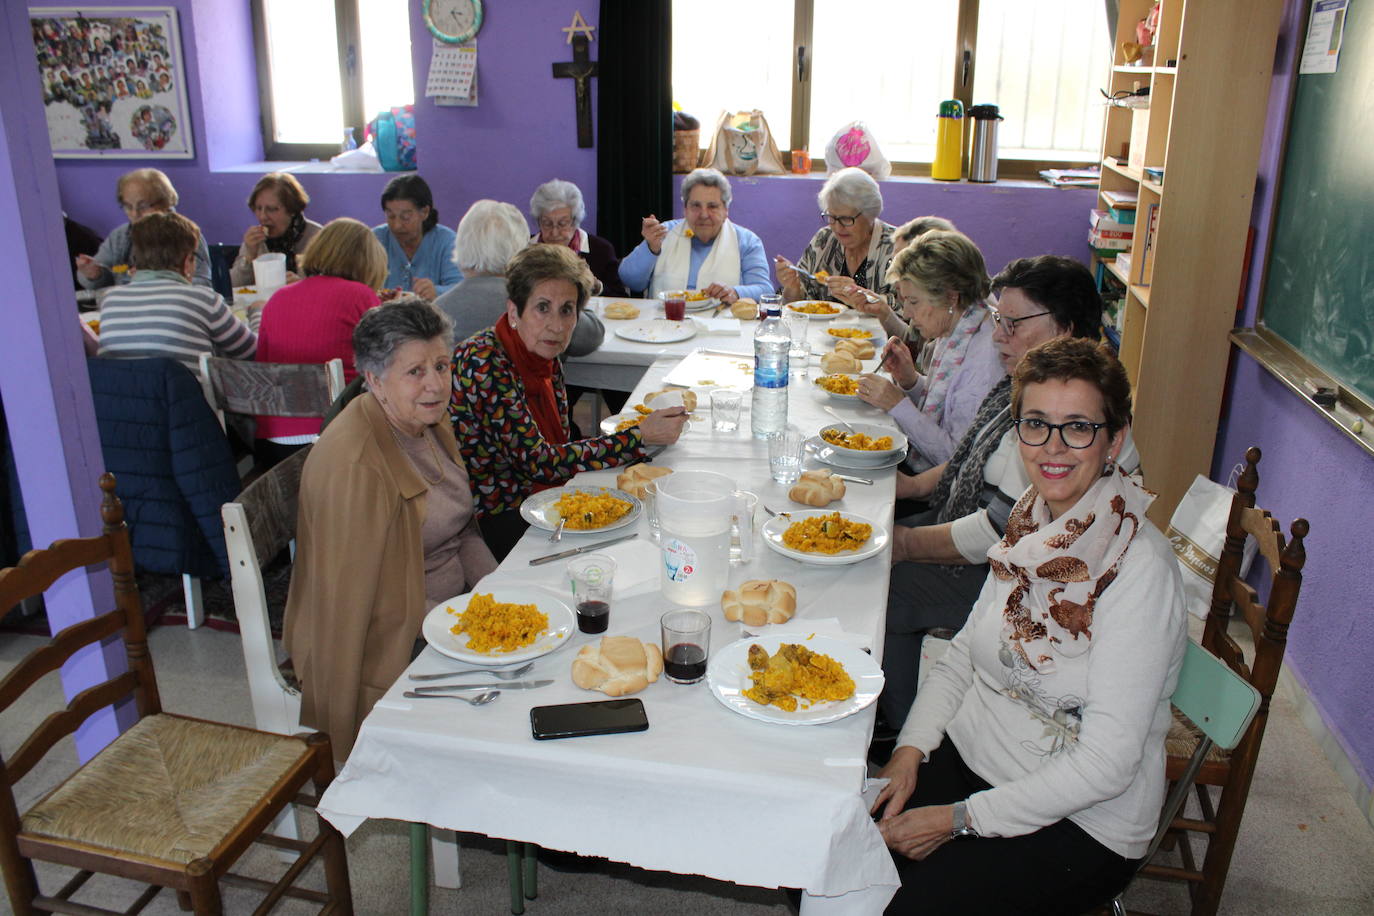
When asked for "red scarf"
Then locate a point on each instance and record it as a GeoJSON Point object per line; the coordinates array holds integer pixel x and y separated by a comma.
{"type": "Point", "coordinates": [536, 373]}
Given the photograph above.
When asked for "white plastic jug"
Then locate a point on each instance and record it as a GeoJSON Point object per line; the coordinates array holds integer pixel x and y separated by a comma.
{"type": "Point", "coordinates": [269, 270]}
{"type": "Point", "coordinates": [695, 510]}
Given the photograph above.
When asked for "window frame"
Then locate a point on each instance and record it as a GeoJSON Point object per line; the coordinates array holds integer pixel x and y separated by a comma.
{"type": "Point", "coordinates": [350, 81]}
{"type": "Point", "coordinates": [966, 50]}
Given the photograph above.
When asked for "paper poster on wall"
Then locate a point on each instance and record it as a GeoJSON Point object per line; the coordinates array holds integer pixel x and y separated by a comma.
{"type": "Point", "coordinates": [114, 83]}
{"type": "Point", "coordinates": [1325, 28]}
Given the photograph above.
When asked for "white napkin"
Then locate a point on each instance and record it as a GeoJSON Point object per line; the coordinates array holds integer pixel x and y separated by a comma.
{"type": "Point", "coordinates": [802, 628]}
{"type": "Point", "coordinates": [719, 327]}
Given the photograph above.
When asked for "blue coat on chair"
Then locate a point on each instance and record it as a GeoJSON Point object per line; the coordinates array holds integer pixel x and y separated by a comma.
{"type": "Point", "coordinates": [172, 463]}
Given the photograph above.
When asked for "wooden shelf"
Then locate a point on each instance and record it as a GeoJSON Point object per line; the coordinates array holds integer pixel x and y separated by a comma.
{"type": "Point", "coordinates": [1148, 71]}
{"type": "Point", "coordinates": [1124, 171]}
{"type": "Point", "coordinates": [1149, 185]}
{"type": "Point", "coordinates": [1116, 272]}
{"type": "Point", "coordinates": [1140, 292]}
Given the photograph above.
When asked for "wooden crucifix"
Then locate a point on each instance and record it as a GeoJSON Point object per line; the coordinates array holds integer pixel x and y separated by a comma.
{"type": "Point", "coordinates": [580, 70]}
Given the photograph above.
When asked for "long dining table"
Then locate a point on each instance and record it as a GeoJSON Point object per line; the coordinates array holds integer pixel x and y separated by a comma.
{"type": "Point", "coordinates": [704, 790]}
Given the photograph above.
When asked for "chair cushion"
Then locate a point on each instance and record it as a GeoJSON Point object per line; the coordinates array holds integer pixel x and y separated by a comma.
{"type": "Point", "coordinates": [169, 788]}
{"type": "Point", "coordinates": [1183, 737]}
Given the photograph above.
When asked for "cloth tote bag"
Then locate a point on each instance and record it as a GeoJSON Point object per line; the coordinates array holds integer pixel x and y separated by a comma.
{"type": "Point", "coordinates": [743, 145]}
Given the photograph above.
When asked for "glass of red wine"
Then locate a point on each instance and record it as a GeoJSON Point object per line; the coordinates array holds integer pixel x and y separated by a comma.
{"type": "Point", "coordinates": [686, 644]}
{"type": "Point", "coordinates": [592, 577]}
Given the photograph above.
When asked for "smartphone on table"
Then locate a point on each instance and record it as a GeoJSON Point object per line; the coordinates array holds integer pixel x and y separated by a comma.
{"type": "Point", "coordinates": [575, 720]}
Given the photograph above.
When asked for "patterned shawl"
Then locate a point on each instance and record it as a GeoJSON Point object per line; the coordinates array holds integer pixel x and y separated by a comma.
{"type": "Point", "coordinates": [949, 356]}
{"type": "Point", "coordinates": [962, 482]}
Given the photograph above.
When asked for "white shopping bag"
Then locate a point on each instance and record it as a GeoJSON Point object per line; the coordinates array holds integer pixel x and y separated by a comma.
{"type": "Point", "coordinates": [1197, 532]}
{"type": "Point", "coordinates": [855, 146]}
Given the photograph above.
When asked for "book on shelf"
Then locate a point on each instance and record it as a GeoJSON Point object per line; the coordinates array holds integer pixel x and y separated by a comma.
{"type": "Point", "coordinates": [1121, 200]}
{"type": "Point", "coordinates": [1072, 178]}
{"type": "Point", "coordinates": [1123, 263]}
{"type": "Point", "coordinates": [1145, 268]}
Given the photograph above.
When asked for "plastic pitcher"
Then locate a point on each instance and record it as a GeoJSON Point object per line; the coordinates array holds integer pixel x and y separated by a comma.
{"type": "Point", "coordinates": [695, 511]}
{"type": "Point", "coordinates": [269, 270]}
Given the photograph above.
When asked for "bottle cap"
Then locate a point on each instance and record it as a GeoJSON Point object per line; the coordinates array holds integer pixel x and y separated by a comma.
{"type": "Point", "coordinates": [986, 112]}
{"type": "Point", "coordinates": [951, 108]}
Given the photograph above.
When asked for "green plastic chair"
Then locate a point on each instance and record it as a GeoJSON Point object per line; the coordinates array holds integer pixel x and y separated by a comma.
{"type": "Point", "coordinates": [1221, 704]}
{"type": "Point", "coordinates": [521, 863]}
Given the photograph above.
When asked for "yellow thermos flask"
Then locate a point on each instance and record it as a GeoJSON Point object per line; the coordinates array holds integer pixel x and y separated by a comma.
{"type": "Point", "coordinates": [949, 141]}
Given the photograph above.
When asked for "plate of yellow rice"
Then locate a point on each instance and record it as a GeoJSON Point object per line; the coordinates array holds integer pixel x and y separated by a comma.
{"type": "Point", "coordinates": [589, 510]}
{"type": "Point", "coordinates": [499, 626]}
{"type": "Point", "coordinates": [838, 669]}
{"type": "Point", "coordinates": [824, 537]}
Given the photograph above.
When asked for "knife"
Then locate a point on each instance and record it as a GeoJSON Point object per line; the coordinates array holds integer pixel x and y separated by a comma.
{"type": "Point", "coordinates": [499, 685]}
{"type": "Point", "coordinates": [863, 480]}
{"type": "Point", "coordinates": [576, 550]}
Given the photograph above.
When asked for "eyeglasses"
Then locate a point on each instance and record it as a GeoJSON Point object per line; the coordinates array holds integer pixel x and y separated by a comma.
{"type": "Point", "coordinates": [831, 219]}
{"type": "Point", "coordinates": [1075, 434]}
{"type": "Point", "coordinates": [138, 208]}
{"type": "Point", "coordinates": [1007, 323]}
{"type": "Point", "coordinates": [549, 225]}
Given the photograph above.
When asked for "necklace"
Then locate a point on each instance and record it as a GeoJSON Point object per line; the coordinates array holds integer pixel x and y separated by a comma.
{"type": "Point", "coordinates": [434, 452]}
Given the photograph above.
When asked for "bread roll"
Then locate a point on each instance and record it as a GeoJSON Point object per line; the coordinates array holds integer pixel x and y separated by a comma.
{"type": "Point", "coordinates": [840, 362]}
{"type": "Point", "coordinates": [745, 309]}
{"type": "Point", "coordinates": [860, 349]}
{"type": "Point", "coordinates": [634, 477]}
{"type": "Point", "coordinates": [817, 488]}
{"type": "Point", "coordinates": [621, 311]}
{"type": "Point", "coordinates": [617, 666]}
{"type": "Point", "coordinates": [760, 601]}
{"type": "Point", "coordinates": [671, 397]}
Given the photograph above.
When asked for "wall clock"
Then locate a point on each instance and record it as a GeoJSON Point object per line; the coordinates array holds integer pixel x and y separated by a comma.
{"type": "Point", "coordinates": [453, 21]}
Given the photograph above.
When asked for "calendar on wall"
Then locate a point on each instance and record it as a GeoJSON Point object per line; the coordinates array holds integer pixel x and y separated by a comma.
{"type": "Point", "coordinates": [453, 73]}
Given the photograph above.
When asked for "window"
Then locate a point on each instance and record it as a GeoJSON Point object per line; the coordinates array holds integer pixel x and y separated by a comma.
{"type": "Point", "coordinates": [314, 78]}
{"type": "Point", "coordinates": [812, 66]}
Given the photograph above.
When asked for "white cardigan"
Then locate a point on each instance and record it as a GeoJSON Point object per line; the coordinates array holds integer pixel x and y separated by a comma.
{"type": "Point", "coordinates": [1109, 777]}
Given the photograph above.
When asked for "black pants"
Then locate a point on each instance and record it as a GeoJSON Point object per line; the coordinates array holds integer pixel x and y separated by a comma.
{"type": "Point", "coordinates": [502, 532]}
{"type": "Point", "coordinates": [1058, 869]}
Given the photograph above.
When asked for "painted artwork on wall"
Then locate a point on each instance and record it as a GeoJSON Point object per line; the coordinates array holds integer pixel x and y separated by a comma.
{"type": "Point", "coordinates": [114, 83]}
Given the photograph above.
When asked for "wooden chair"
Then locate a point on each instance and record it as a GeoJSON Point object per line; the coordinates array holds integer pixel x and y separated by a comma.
{"type": "Point", "coordinates": [1233, 772]}
{"type": "Point", "coordinates": [257, 527]}
{"type": "Point", "coordinates": [270, 389]}
{"type": "Point", "coordinates": [1223, 704]}
{"type": "Point", "coordinates": [173, 801]}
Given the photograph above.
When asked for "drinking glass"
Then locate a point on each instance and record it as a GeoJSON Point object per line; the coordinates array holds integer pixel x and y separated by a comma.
{"type": "Point", "coordinates": [592, 577]}
{"type": "Point", "coordinates": [725, 408]}
{"type": "Point", "coordinates": [650, 501]}
{"type": "Point", "coordinates": [744, 527]}
{"type": "Point", "coordinates": [799, 327]}
{"type": "Point", "coordinates": [686, 645]}
{"type": "Point", "coordinates": [785, 455]}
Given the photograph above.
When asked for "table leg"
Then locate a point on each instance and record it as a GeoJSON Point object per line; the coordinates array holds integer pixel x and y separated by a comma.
{"type": "Point", "coordinates": [531, 871]}
{"type": "Point", "coordinates": [517, 894]}
{"type": "Point", "coordinates": [419, 869]}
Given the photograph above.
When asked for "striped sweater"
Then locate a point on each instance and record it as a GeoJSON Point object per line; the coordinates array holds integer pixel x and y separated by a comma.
{"type": "Point", "coordinates": [159, 313]}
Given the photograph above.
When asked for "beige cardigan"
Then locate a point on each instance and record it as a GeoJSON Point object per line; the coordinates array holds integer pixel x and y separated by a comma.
{"type": "Point", "coordinates": [241, 271]}
{"type": "Point", "coordinates": [357, 595]}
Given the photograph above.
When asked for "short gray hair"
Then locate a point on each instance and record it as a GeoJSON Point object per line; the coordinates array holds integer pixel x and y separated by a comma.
{"type": "Point", "coordinates": [489, 235]}
{"type": "Point", "coordinates": [910, 230]}
{"type": "Point", "coordinates": [852, 188]}
{"type": "Point", "coordinates": [712, 178]}
{"type": "Point", "coordinates": [385, 329]}
{"type": "Point", "coordinates": [558, 193]}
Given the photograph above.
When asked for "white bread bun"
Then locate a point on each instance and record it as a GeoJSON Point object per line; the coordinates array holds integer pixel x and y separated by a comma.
{"type": "Point", "coordinates": [617, 666]}
{"type": "Point", "coordinates": [860, 349]}
{"type": "Point", "coordinates": [671, 397]}
{"type": "Point", "coordinates": [745, 309]}
{"type": "Point", "coordinates": [633, 479]}
{"type": "Point", "coordinates": [840, 362]}
{"type": "Point", "coordinates": [817, 488]}
{"type": "Point", "coordinates": [621, 311]}
{"type": "Point", "coordinates": [760, 601]}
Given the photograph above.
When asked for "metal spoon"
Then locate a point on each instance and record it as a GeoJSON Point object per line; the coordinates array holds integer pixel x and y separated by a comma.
{"type": "Point", "coordinates": [830, 410]}
{"type": "Point", "coordinates": [558, 532]}
{"type": "Point", "coordinates": [503, 675]}
{"type": "Point", "coordinates": [481, 699]}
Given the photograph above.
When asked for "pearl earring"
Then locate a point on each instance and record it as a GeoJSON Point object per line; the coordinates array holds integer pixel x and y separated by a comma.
{"type": "Point", "coordinates": [1109, 468]}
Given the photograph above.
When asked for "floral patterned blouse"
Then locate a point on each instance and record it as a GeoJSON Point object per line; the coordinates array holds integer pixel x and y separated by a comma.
{"type": "Point", "coordinates": [507, 457]}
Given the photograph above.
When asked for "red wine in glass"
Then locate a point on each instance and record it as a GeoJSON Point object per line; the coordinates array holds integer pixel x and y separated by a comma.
{"type": "Point", "coordinates": [685, 663]}
{"type": "Point", "coordinates": [593, 616]}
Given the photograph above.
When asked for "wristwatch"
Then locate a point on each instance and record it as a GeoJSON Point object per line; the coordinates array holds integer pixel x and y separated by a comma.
{"type": "Point", "coordinates": [961, 825]}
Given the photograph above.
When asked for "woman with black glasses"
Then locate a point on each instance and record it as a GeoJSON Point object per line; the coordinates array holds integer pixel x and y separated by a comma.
{"type": "Point", "coordinates": [940, 556]}
{"type": "Point", "coordinates": [851, 253]}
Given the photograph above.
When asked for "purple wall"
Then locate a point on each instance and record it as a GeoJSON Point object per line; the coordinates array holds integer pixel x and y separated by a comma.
{"type": "Point", "coordinates": [1310, 469]}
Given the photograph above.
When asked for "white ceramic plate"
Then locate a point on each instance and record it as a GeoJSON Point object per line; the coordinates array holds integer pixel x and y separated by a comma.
{"type": "Point", "coordinates": [538, 510]}
{"type": "Point", "coordinates": [657, 330]}
{"type": "Point", "coordinates": [609, 424]}
{"type": "Point", "coordinates": [792, 307]}
{"type": "Point", "coordinates": [773, 529]}
{"type": "Point", "coordinates": [877, 338]}
{"type": "Point", "coordinates": [437, 628]}
{"type": "Point", "coordinates": [839, 397]}
{"type": "Point", "coordinates": [727, 675]}
{"type": "Point", "coordinates": [843, 457]}
{"type": "Point", "coordinates": [868, 457]}
{"type": "Point", "coordinates": [693, 305]}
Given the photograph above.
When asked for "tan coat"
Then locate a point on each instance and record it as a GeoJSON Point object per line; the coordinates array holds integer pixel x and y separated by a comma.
{"type": "Point", "coordinates": [357, 594]}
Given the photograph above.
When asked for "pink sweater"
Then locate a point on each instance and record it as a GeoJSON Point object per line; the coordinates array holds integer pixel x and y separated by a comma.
{"type": "Point", "coordinates": [310, 322]}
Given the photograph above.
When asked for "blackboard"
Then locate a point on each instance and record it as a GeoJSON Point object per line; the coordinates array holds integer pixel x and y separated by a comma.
{"type": "Point", "coordinates": [1319, 284]}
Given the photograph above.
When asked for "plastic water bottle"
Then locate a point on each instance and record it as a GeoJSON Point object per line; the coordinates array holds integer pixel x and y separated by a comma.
{"type": "Point", "coordinates": [771, 345]}
{"type": "Point", "coordinates": [349, 141]}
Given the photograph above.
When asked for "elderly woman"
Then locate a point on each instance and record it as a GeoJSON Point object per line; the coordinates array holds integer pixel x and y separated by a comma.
{"type": "Point", "coordinates": [558, 211]}
{"type": "Point", "coordinates": [971, 495]}
{"type": "Point", "coordinates": [943, 284]}
{"type": "Point", "coordinates": [704, 251]}
{"type": "Point", "coordinates": [419, 251]}
{"type": "Point", "coordinates": [160, 312]}
{"type": "Point", "coordinates": [509, 405]}
{"type": "Point", "coordinates": [1041, 731]}
{"type": "Point", "coordinates": [386, 526]}
{"type": "Point", "coordinates": [278, 203]}
{"type": "Point", "coordinates": [489, 235]}
{"type": "Point", "coordinates": [139, 193]}
{"type": "Point", "coordinates": [312, 321]}
{"type": "Point", "coordinates": [854, 247]}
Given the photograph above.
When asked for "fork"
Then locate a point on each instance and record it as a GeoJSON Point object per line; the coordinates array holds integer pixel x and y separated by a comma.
{"type": "Point", "coordinates": [776, 514]}
{"type": "Point", "coordinates": [558, 532]}
{"type": "Point", "coordinates": [501, 675]}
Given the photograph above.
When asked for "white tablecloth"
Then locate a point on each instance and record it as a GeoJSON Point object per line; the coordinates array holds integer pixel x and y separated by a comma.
{"type": "Point", "coordinates": [704, 790]}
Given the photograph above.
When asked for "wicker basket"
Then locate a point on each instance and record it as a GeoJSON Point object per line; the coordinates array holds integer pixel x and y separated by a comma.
{"type": "Point", "coordinates": [686, 149]}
